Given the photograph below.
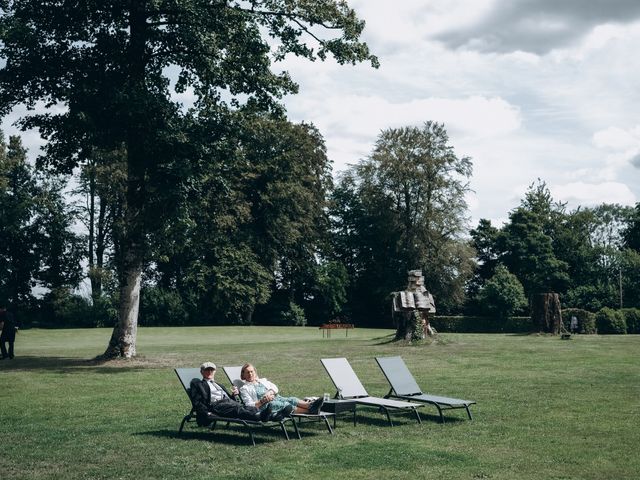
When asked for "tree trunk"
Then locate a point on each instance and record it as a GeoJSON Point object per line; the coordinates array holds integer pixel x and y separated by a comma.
{"type": "Point", "coordinates": [123, 338]}
{"type": "Point", "coordinates": [545, 312]}
{"type": "Point", "coordinates": [411, 326]}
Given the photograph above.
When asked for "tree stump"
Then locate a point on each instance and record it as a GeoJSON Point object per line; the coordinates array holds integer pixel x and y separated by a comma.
{"type": "Point", "coordinates": [545, 312]}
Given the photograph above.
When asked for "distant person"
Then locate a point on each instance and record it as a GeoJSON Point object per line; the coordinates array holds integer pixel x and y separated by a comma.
{"type": "Point", "coordinates": [209, 397]}
{"type": "Point", "coordinates": [573, 325]}
{"type": "Point", "coordinates": [8, 335]}
{"type": "Point", "coordinates": [261, 393]}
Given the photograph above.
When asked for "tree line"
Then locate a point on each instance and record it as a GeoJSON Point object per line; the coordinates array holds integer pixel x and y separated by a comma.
{"type": "Point", "coordinates": [224, 211]}
{"type": "Point", "coordinates": [268, 237]}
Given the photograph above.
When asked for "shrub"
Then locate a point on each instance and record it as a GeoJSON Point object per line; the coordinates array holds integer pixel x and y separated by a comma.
{"type": "Point", "coordinates": [292, 316]}
{"type": "Point", "coordinates": [586, 320]}
{"type": "Point", "coordinates": [610, 321]}
{"type": "Point", "coordinates": [457, 324]}
{"type": "Point", "coordinates": [632, 318]}
{"type": "Point", "coordinates": [503, 294]}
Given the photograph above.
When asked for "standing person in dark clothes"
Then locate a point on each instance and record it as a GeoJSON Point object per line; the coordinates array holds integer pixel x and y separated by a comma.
{"type": "Point", "coordinates": [8, 335]}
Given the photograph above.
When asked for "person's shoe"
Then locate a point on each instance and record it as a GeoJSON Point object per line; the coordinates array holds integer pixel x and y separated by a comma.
{"type": "Point", "coordinates": [315, 407]}
{"type": "Point", "coordinates": [266, 413]}
{"type": "Point", "coordinates": [286, 411]}
{"type": "Point", "coordinates": [282, 414]}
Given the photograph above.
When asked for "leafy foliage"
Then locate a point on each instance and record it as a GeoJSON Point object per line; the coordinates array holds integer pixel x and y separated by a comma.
{"type": "Point", "coordinates": [404, 208]}
{"type": "Point", "coordinates": [503, 294]}
{"type": "Point", "coordinates": [610, 321]}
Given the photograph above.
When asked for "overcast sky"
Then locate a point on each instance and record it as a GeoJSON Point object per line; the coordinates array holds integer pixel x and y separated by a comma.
{"type": "Point", "coordinates": [529, 89]}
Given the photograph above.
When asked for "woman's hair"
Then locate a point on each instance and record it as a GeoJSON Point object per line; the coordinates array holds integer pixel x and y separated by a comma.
{"type": "Point", "coordinates": [244, 369]}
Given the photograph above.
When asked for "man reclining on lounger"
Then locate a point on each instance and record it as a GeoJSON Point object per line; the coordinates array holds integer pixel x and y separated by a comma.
{"type": "Point", "coordinates": [209, 397]}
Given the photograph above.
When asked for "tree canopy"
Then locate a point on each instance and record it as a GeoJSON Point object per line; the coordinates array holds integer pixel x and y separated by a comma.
{"type": "Point", "coordinates": [103, 73]}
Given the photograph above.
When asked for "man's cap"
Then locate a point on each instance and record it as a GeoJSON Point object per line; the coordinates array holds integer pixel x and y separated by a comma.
{"type": "Point", "coordinates": [206, 365]}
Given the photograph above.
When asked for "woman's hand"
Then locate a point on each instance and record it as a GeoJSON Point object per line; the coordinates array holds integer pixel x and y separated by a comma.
{"type": "Point", "coordinates": [267, 397]}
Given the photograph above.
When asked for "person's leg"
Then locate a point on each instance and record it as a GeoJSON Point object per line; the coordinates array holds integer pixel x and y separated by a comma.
{"type": "Point", "coordinates": [11, 342]}
{"type": "Point", "coordinates": [231, 409]}
{"type": "Point", "coordinates": [3, 347]}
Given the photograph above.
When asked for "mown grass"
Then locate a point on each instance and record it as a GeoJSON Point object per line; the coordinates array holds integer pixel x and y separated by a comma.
{"type": "Point", "coordinates": [546, 408]}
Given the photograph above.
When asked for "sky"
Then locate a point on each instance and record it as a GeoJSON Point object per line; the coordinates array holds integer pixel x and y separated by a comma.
{"type": "Point", "coordinates": [529, 89]}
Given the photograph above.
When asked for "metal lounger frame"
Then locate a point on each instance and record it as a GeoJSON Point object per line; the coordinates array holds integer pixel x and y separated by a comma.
{"type": "Point", "coordinates": [404, 386]}
{"type": "Point", "coordinates": [185, 375]}
{"type": "Point", "coordinates": [349, 387]}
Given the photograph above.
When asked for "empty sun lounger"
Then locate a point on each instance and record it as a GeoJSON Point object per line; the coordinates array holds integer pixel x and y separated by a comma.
{"type": "Point", "coordinates": [234, 373]}
{"type": "Point", "coordinates": [185, 375]}
{"type": "Point", "coordinates": [350, 388]}
{"type": "Point", "coordinates": [404, 386]}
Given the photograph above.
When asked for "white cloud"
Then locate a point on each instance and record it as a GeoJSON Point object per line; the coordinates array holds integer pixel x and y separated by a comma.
{"type": "Point", "coordinates": [616, 138]}
{"type": "Point", "coordinates": [591, 194]}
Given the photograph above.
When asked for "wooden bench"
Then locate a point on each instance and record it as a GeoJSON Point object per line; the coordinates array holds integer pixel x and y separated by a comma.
{"type": "Point", "coordinates": [327, 327]}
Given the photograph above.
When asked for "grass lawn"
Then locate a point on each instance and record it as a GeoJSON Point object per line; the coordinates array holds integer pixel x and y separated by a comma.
{"type": "Point", "coordinates": [547, 408]}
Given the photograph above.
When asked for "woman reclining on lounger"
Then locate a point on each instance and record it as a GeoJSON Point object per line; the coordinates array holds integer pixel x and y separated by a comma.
{"type": "Point", "coordinates": [261, 392]}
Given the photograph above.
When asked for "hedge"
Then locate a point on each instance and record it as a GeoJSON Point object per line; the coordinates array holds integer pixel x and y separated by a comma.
{"type": "Point", "coordinates": [459, 324]}
{"type": "Point", "coordinates": [610, 321]}
{"type": "Point", "coordinates": [632, 317]}
{"type": "Point", "coordinates": [586, 320]}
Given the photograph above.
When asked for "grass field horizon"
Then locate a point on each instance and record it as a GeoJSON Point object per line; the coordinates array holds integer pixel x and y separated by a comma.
{"type": "Point", "coordinates": [546, 408]}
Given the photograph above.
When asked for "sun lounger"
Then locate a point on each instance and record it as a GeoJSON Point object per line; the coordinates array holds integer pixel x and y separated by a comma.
{"type": "Point", "coordinates": [404, 386]}
{"type": "Point", "coordinates": [350, 388]}
{"type": "Point", "coordinates": [233, 374]}
{"type": "Point", "coordinates": [185, 375]}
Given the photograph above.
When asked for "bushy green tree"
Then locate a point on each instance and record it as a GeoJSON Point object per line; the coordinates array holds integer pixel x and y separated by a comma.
{"type": "Point", "coordinates": [111, 68]}
{"type": "Point", "coordinates": [19, 264]}
{"type": "Point", "coordinates": [38, 246]}
{"type": "Point", "coordinates": [503, 294]}
{"type": "Point", "coordinates": [404, 208]}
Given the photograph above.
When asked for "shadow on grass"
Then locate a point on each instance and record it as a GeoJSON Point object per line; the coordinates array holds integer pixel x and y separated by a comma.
{"type": "Point", "coordinates": [385, 340]}
{"type": "Point", "coordinates": [227, 436]}
{"type": "Point", "coordinates": [66, 365]}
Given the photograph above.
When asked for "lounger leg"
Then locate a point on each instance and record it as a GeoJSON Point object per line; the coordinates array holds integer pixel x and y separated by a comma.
{"type": "Point", "coordinates": [253, 440]}
{"type": "Point", "coordinates": [468, 412]}
{"type": "Point", "coordinates": [328, 424]}
{"type": "Point", "coordinates": [296, 429]}
{"type": "Point", "coordinates": [284, 430]}
{"type": "Point", "coordinates": [184, 420]}
{"type": "Point", "coordinates": [440, 412]}
{"type": "Point", "coordinates": [417, 415]}
{"type": "Point", "coordinates": [388, 415]}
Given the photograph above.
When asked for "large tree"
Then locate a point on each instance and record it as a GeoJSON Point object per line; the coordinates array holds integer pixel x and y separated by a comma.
{"type": "Point", "coordinates": [107, 70]}
{"type": "Point", "coordinates": [404, 208]}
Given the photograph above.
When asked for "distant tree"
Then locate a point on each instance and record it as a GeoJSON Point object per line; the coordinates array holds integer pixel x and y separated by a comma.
{"type": "Point", "coordinates": [109, 66]}
{"type": "Point", "coordinates": [484, 240]}
{"type": "Point", "coordinates": [58, 247]}
{"type": "Point", "coordinates": [253, 222]}
{"type": "Point", "coordinates": [503, 294]}
{"type": "Point", "coordinates": [101, 186]}
{"type": "Point", "coordinates": [404, 208]}
{"type": "Point", "coordinates": [631, 234]}
{"type": "Point", "coordinates": [38, 247]}
{"type": "Point", "coordinates": [19, 264]}
{"type": "Point", "coordinates": [528, 253]}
